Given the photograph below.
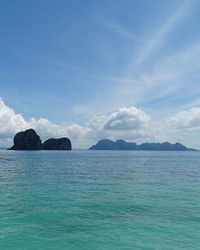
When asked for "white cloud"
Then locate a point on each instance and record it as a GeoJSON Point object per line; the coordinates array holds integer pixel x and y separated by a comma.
{"type": "Point", "coordinates": [186, 119]}
{"type": "Point", "coordinates": [127, 123]}
{"type": "Point", "coordinates": [9, 121]}
{"type": "Point", "coordinates": [127, 119]}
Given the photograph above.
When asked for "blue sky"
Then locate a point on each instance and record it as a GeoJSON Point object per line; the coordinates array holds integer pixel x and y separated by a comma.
{"type": "Point", "coordinates": [80, 63]}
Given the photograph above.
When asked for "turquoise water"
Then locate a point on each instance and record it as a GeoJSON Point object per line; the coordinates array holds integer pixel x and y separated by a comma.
{"type": "Point", "coordinates": [99, 200]}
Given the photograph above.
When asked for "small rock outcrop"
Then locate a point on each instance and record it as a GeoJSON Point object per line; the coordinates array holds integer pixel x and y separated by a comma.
{"type": "Point", "coordinates": [27, 140]}
{"type": "Point", "coordinates": [57, 144]}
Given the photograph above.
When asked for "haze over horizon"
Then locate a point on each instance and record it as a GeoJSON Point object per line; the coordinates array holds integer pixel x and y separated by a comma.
{"type": "Point", "coordinates": [91, 70]}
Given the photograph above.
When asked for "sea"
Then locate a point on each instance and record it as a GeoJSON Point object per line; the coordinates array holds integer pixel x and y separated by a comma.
{"type": "Point", "coordinates": [99, 200]}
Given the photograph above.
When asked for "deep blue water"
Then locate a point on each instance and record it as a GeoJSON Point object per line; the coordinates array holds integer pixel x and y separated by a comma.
{"type": "Point", "coordinates": [99, 200]}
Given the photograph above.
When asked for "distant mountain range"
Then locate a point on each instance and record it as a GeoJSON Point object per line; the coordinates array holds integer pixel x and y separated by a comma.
{"type": "Point", "coordinates": [107, 144]}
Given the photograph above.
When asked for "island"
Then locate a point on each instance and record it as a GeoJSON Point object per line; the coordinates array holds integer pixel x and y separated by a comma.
{"type": "Point", "coordinates": [30, 140]}
{"type": "Point", "coordinates": [57, 144]}
{"type": "Point", "coordinates": [107, 144]}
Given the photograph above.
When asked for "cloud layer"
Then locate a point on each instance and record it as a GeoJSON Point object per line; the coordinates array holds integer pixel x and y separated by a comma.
{"type": "Point", "coordinates": [112, 125]}
{"type": "Point", "coordinates": [129, 123]}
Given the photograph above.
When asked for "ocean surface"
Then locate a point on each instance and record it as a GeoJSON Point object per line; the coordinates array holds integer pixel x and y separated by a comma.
{"type": "Point", "coordinates": [99, 200]}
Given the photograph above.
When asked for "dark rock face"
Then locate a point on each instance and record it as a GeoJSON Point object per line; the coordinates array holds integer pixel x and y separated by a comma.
{"type": "Point", "coordinates": [57, 144]}
{"type": "Point", "coordinates": [27, 140]}
{"type": "Point", "coordinates": [123, 145]}
{"type": "Point", "coordinates": [166, 146]}
{"type": "Point", "coordinates": [106, 144]}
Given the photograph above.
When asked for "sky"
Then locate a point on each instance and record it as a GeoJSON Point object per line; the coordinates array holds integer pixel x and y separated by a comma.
{"type": "Point", "coordinates": [88, 70]}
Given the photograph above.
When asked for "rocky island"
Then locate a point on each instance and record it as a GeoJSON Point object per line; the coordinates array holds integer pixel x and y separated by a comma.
{"type": "Point", "coordinates": [107, 144]}
{"type": "Point", "coordinates": [30, 140]}
{"type": "Point", "coordinates": [57, 144]}
{"type": "Point", "coordinates": [27, 140]}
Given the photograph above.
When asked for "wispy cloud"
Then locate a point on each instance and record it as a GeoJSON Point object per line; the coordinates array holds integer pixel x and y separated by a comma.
{"type": "Point", "coordinates": [166, 77]}
{"type": "Point", "coordinates": [174, 80]}
{"type": "Point", "coordinates": [158, 38]}
{"type": "Point", "coordinates": [117, 28]}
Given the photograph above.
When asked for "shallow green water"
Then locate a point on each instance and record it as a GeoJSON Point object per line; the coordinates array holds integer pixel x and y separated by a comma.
{"type": "Point", "coordinates": [99, 200]}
